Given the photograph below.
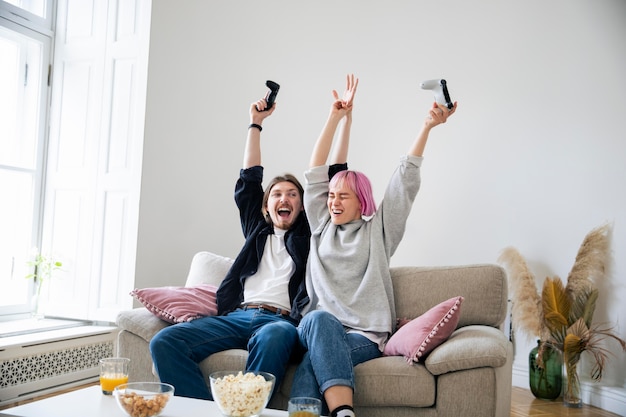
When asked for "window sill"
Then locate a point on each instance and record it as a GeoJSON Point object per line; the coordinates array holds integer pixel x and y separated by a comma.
{"type": "Point", "coordinates": [33, 331]}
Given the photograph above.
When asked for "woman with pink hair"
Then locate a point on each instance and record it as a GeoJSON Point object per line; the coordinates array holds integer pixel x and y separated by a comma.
{"type": "Point", "coordinates": [351, 314]}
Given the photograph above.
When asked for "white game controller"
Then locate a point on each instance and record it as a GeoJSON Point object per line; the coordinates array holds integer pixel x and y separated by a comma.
{"type": "Point", "coordinates": [440, 89]}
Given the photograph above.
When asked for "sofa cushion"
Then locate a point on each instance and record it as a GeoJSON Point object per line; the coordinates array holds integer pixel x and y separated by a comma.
{"type": "Point", "coordinates": [388, 381]}
{"type": "Point", "coordinates": [484, 290]}
{"type": "Point", "coordinates": [226, 360]}
{"type": "Point", "coordinates": [207, 268]}
{"type": "Point", "coordinates": [467, 348]}
{"type": "Point", "coordinates": [179, 304]}
{"type": "Point", "coordinates": [416, 339]}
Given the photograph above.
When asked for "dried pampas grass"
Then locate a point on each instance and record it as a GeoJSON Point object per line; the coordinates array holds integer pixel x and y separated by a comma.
{"type": "Point", "coordinates": [537, 314]}
{"type": "Point", "coordinates": [526, 307]}
{"type": "Point", "coordinates": [561, 317]}
{"type": "Point", "coordinates": [590, 261]}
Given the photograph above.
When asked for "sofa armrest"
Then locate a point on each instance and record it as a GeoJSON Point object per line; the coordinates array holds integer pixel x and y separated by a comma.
{"type": "Point", "coordinates": [467, 348]}
{"type": "Point", "coordinates": [141, 322]}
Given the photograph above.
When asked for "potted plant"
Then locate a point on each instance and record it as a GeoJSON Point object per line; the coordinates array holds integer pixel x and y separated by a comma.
{"type": "Point", "coordinates": [561, 315]}
{"type": "Point", "coordinates": [42, 268]}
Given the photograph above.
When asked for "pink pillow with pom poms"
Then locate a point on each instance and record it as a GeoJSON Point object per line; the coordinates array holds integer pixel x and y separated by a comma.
{"type": "Point", "coordinates": [179, 304]}
{"type": "Point", "coordinates": [417, 338]}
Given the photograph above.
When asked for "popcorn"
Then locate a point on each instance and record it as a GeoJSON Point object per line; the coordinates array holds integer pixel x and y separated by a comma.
{"type": "Point", "coordinates": [241, 395]}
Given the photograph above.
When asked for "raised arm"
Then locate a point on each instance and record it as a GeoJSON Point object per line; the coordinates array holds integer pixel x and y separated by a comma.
{"type": "Point", "coordinates": [252, 152]}
{"type": "Point", "coordinates": [341, 108]}
{"type": "Point", "coordinates": [340, 151]}
{"type": "Point", "coordinates": [437, 114]}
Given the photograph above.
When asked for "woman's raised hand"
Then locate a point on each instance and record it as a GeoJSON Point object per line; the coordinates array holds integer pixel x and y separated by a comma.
{"type": "Point", "coordinates": [439, 114]}
{"type": "Point", "coordinates": [348, 95]}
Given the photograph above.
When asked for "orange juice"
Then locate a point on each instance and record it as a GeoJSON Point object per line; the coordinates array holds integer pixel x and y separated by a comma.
{"type": "Point", "coordinates": [303, 414]}
{"type": "Point", "coordinates": [304, 407]}
{"type": "Point", "coordinates": [110, 381]}
{"type": "Point", "coordinates": [113, 372]}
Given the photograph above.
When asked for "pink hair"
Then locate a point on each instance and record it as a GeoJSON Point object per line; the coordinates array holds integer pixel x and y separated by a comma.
{"type": "Point", "coordinates": [360, 185]}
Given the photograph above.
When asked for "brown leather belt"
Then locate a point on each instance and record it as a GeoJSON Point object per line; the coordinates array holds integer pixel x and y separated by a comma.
{"type": "Point", "coordinates": [266, 307]}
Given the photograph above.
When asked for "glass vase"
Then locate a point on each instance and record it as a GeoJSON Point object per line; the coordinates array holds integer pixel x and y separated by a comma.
{"type": "Point", "coordinates": [38, 301]}
{"type": "Point", "coordinates": [545, 368]}
{"type": "Point", "coordinates": [571, 393]}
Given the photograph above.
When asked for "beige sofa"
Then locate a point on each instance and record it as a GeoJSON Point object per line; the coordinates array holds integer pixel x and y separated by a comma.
{"type": "Point", "coordinates": [467, 375]}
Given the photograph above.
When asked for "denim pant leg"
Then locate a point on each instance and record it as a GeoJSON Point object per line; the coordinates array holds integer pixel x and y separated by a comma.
{"type": "Point", "coordinates": [271, 345]}
{"type": "Point", "coordinates": [304, 381]}
{"type": "Point", "coordinates": [331, 355]}
{"type": "Point", "coordinates": [177, 350]}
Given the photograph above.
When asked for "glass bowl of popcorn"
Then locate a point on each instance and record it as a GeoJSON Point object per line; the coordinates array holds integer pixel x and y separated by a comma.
{"type": "Point", "coordinates": [143, 399]}
{"type": "Point", "coordinates": [241, 394]}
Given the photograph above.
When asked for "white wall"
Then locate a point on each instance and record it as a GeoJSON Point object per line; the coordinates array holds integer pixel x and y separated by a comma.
{"type": "Point", "coordinates": [534, 157]}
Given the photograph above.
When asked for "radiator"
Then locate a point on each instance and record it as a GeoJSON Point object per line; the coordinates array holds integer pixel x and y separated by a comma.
{"type": "Point", "coordinates": [51, 361]}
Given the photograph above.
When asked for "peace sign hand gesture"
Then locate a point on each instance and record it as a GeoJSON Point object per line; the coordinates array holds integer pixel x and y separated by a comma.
{"type": "Point", "coordinates": [348, 95]}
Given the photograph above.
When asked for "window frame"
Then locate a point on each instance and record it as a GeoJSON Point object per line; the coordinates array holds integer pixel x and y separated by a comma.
{"type": "Point", "coordinates": [20, 16]}
{"type": "Point", "coordinates": [13, 19]}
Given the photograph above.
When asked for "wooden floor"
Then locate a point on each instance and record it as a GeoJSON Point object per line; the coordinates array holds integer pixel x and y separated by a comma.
{"type": "Point", "coordinates": [523, 404]}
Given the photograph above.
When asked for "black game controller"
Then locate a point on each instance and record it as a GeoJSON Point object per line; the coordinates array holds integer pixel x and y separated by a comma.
{"type": "Point", "coordinates": [270, 98]}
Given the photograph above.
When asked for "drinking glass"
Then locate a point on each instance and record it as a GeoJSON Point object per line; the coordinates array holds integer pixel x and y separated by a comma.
{"type": "Point", "coordinates": [113, 372]}
{"type": "Point", "coordinates": [304, 407]}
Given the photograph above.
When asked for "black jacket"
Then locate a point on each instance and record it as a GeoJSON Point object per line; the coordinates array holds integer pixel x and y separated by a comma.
{"type": "Point", "coordinates": [249, 200]}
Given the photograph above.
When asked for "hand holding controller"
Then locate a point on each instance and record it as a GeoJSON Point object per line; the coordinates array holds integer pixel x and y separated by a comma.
{"type": "Point", "coordinates": [270, 97]}
{"type": "Point", "coordinates": [440, 89]}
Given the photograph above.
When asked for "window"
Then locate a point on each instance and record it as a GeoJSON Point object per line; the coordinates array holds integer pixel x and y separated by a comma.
{"type": "Point", "coordinates": [72, 176]}
{"type": "Point", "coordinates": [36, 7]}
{"type": "Point", "coordinates": [24, 63]}
{"type": "Point", "coordinates": [34, 14]}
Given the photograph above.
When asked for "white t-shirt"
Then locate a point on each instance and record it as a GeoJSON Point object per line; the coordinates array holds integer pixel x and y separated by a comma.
{"type": "Point", "coordinates": [270, 284]}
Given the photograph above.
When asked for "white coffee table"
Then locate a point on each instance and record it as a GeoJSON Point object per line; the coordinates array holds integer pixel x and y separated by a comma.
{"type": "Point", "coordinates": [92, 403]}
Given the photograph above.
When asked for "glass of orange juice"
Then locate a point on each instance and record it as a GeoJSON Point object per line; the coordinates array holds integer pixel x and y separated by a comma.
{"type": "Point", "coordinates": [113, 372]}
{"type": "Point", "coordinates": [304, 407]}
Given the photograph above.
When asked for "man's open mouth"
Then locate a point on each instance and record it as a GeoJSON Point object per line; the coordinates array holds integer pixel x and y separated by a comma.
{"type": "Point", "coordinates": [284, 212]}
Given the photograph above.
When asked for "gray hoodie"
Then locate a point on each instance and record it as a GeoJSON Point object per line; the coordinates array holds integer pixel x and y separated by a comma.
{"type": "Point", "coordinates": [348, 268]}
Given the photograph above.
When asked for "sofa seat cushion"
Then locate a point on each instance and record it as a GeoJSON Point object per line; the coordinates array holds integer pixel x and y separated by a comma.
{"type": "Point", "coordinates": [141, 322]}
{"type": "Point", "coordinates": [404, 385]}
{"type": "Point", "coordinates": [467, 348]}
{"type": "Point", "coordinates": [227, 360]}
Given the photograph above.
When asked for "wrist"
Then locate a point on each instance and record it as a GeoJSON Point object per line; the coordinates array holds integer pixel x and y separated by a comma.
{"type": "Point", "coordinates": [334, 118]}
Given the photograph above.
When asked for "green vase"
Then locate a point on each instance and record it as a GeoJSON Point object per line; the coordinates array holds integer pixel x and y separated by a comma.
{"type": "Point", "coordinates": [545, 373]}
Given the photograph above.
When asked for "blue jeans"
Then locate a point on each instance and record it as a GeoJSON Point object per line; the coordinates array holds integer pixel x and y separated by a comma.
{"type": "Point", "coordinates": [331, 355]}
{"type": "Point", "coordinates": [177, 350]}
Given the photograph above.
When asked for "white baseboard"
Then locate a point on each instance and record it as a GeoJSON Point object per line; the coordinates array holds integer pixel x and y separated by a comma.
{"type": "Point", "coordinates": [611, 399]}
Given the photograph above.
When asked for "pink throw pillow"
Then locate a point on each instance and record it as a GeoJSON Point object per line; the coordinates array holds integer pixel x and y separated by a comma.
{"type": "Point", "coordinates": [179, 304]}
{"type": "Point", "coordinates": [417, 338]}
